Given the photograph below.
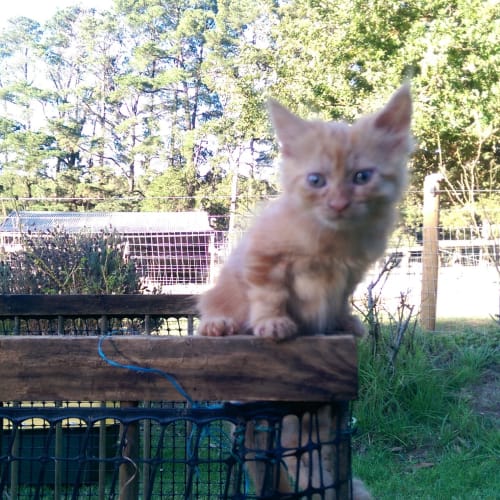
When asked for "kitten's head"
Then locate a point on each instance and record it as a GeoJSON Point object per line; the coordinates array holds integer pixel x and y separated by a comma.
{"type": "Point", "coordinates": [346, 175]}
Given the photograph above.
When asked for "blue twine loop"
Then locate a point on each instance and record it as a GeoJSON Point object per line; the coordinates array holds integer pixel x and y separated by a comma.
{"type": "Point", "coordinates": [141, 369]}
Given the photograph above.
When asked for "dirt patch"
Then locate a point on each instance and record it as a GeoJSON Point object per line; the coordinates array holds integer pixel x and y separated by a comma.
{"type": "Point", "coordinates": [485, 394]}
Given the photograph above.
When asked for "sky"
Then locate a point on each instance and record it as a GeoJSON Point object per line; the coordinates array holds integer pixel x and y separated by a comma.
{"type": "Point", "coordinates": [41, 10]}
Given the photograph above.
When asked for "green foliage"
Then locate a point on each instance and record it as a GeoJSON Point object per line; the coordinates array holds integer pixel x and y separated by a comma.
{"type": "Point", "coordinates": [483, 210]}
{"type": "Point", "coordinates": [149, 98]}
{"type": "Point", "coordinates": [58, 262]}
{"type": "Point", "coordinates": [172, 191]}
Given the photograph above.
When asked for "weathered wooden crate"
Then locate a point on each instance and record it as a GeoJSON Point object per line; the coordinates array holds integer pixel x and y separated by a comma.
{"type": "Point", "coordinates": [268, 379]}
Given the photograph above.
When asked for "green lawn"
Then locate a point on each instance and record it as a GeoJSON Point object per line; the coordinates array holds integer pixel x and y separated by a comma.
{"type": "Point", "coordinates": [430, 428]}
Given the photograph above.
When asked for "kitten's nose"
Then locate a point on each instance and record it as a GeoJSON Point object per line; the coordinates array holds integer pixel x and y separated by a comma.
{"type": "Point", "coordinates": [339, 204]}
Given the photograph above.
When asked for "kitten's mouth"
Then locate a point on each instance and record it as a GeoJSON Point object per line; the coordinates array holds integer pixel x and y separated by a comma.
{"type": "Point", "coordinates": [338, 221]}
{"type": "Point", "coordinates": [336, 215]}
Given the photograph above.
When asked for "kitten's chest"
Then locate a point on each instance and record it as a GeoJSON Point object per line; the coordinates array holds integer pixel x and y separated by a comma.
{"type": "Point", "coordinates": [320, 286]}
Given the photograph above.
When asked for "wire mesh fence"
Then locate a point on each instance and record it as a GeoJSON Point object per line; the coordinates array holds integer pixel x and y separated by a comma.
{"type": "Point", "coordinates": [185, 252]}
{"type": "Point", "coordinates": [151, 325]}
{"type": "Point", "coordinates": [466, 276]}
{"type": "Point", "coordinates": [169, 451]}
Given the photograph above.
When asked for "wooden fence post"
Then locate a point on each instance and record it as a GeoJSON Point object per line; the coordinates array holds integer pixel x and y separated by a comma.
{"type": "Point", "coordinates": [430, 252]}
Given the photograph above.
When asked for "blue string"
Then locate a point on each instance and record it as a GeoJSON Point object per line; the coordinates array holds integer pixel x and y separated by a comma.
{"type": "Point", "coordinates": [177, 386]}
{"type": "Point", "coordinates": [141, 369]}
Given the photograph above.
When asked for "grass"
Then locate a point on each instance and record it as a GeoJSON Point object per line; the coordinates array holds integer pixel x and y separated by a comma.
{"type": "Point", "coordinates": [446, 475]}
{"type": "Point", "coordinates": [420, 433]}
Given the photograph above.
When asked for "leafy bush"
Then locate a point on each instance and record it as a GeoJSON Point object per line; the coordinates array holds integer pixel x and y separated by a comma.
{"type": "Point", "coordinates": [58, 262]}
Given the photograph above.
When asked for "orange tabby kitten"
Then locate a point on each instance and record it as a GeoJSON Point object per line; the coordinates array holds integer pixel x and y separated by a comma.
{"type": "Point", "coordinates": [295, 269]}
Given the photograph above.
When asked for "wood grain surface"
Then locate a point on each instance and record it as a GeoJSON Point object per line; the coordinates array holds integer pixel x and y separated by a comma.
{"type": "Point", "coordinates": [95, 305]}
{"type": "Point", "coordinates": [244, 368]}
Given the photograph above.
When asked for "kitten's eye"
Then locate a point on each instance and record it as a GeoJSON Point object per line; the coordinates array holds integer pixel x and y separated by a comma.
{"type": "Point", "coordinates": [316, 180]}
{"type": "Point", "coordinates": [363, 176]}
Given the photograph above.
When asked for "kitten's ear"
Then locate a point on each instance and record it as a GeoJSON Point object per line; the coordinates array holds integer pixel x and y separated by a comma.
{"type": "Point", "coordinates": [288, 126]}
{"type": "Point", "coordinates": [395, 116]}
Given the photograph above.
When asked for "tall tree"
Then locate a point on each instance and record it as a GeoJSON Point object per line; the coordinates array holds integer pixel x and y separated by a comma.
{"type": "Point", "coordinates": [61, 52]}
{"type": "Point", "coordinates": [239, 69]}
{"type": "Point", "coordinates": [25, 147]}
{"type": "Point", "coordinates": [167, 69]}
{"type": "Point", "coordinates": [456, 58]}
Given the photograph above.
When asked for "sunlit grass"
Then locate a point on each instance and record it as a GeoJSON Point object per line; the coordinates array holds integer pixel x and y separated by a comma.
{"type": "Point", "coordinates": [419, 435]}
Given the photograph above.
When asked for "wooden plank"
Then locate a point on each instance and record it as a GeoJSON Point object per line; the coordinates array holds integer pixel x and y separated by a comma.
{"type": "Point", "coordinates": [244, 368]}
{"type": "Point", "coordinates": [95, 305]}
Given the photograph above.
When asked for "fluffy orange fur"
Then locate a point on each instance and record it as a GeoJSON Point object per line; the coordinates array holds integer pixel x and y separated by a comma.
{"type": "Point", "coordinates": [295, 269]}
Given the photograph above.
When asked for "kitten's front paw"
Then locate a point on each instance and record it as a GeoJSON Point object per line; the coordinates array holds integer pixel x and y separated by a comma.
{"type": "Point", "coordinates": [217, 327]}
{"type": "Point", "coordinates": [279, 328]}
